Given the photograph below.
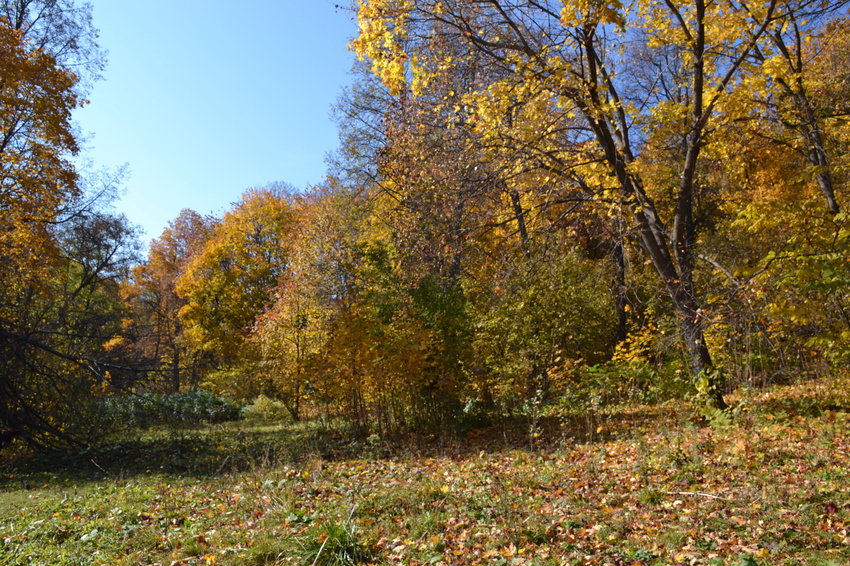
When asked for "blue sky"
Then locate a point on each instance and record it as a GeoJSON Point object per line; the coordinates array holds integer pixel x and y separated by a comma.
{"type": "Point", "coordinates": [205, 99]}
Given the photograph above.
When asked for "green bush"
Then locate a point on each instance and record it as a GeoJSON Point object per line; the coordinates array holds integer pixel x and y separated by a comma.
{"type": "Point", "coordinates": [599, 387]}
{"type": "Point", "coordinates": [265, 409]}
{"type": "Point", "coordinates": [192, 407]}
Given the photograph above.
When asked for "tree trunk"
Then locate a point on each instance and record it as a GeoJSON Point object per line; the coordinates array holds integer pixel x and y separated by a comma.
{"type": "Point", "coordinates": [622, 298]}
{"type": "Point", "coordinates": [175, 370]}
{"type": "Point", "coordinates": [679, 282]}
{"type": "Point", "coordinates": [710, 382]}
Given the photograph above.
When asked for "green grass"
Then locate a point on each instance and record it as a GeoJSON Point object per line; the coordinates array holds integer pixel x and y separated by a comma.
{"type": "Point", "coordinates": [769, 487]}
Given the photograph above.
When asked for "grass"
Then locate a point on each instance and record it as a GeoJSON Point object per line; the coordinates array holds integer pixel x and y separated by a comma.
{"type": "Point", "coordinates": [767, 486]}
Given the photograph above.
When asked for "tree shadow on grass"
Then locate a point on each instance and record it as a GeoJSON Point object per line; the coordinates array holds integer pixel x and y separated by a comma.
{"type": "Point", "coordinates": [209, 452]}
{"type": "Point", "coordinates": [233, 448]}
{"type": "Point", "coordinates": [199, 453]}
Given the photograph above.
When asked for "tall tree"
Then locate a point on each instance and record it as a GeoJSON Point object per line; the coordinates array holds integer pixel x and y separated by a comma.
{"type": "Point", "coordinates": [36, 181]}
{"type": "Point", "coordinates": [232, 279]}
{"type": "Point", "coordinates": [36, 141]}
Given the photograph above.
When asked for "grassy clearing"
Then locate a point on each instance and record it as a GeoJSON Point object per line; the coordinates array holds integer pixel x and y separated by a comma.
{"type": "Point", "coordinates": [767, 484]}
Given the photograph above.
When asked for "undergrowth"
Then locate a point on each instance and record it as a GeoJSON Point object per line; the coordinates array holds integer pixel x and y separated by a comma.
{"type": "Point", "coordinates": [765, 483]}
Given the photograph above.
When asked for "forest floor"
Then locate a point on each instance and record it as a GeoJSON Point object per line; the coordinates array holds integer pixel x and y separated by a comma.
{"type": "Point", "coordinates": [764, 484]}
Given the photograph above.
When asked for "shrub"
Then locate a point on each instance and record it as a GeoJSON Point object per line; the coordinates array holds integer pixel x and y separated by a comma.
{"type": "Point", "coordinates": [265, 409]}
{"type": "Point", "coordinates": [191, 407]}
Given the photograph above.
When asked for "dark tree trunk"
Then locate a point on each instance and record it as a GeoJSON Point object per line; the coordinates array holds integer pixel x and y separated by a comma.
{"type": "Point", "coordinates": [175, 371]}
{"type": "Point", "coordinates": [622, 298]}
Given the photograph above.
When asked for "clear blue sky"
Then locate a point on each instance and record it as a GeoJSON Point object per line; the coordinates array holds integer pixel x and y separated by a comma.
{"type": "Point", "coordinates": [205, 99]}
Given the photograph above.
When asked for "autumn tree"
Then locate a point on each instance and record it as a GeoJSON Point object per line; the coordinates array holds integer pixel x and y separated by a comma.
{"type": "Point", "coordinates": [159, 340]}
{"type": "Point", "coordinates": [45, 45]}
{"type": "Point", "coordinates": [563, 97]}
{"type": "Point", "coordinates": [776, 178]}
{"type": "Point", "coordinates": [62, 29]}
{"type": "Point", "coordinates": [36, 181]}
{"type": "Point", "coordinates": [59, 336]}
{"type": "Point", "coordinates": [36, 141]}
{"type": "Point", "coordinates": [232, 278]}
{"type": "Point", "coordinates": [294, 334]}
{"type": "Point", "coordinates": [438, 239]}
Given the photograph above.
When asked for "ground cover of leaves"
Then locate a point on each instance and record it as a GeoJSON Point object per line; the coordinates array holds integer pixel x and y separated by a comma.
{"type": "Point", "coordinates": [766, 485]}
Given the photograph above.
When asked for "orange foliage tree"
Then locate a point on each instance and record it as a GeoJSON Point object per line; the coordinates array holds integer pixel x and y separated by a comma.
{"type": "Point", "coordinates": [152, 292]}
{"type": "Point", "coordinates": [36, 140]}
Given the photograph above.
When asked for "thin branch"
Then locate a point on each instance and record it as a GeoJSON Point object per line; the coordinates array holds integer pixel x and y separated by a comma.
{"type": "Point", "coordinates": [698, 494]}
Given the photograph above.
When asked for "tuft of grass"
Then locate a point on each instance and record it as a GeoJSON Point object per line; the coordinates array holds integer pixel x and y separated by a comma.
{"type": "Point", "coordinates": [426, 523]}
{"type": "Point", "coordinates": [673, 539]}
{"type": "Point", "coordinates": [267, 551]}
{"type": "Point", "coordinates": [333, 543]}
{"type": "Point", "coordinates": [649, 496]}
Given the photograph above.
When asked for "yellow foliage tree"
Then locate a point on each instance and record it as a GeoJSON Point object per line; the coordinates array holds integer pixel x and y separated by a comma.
{"type": "Point", "coordinates": [232, 279]}
{"type": "Point", "coordinates": [618, 102]}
